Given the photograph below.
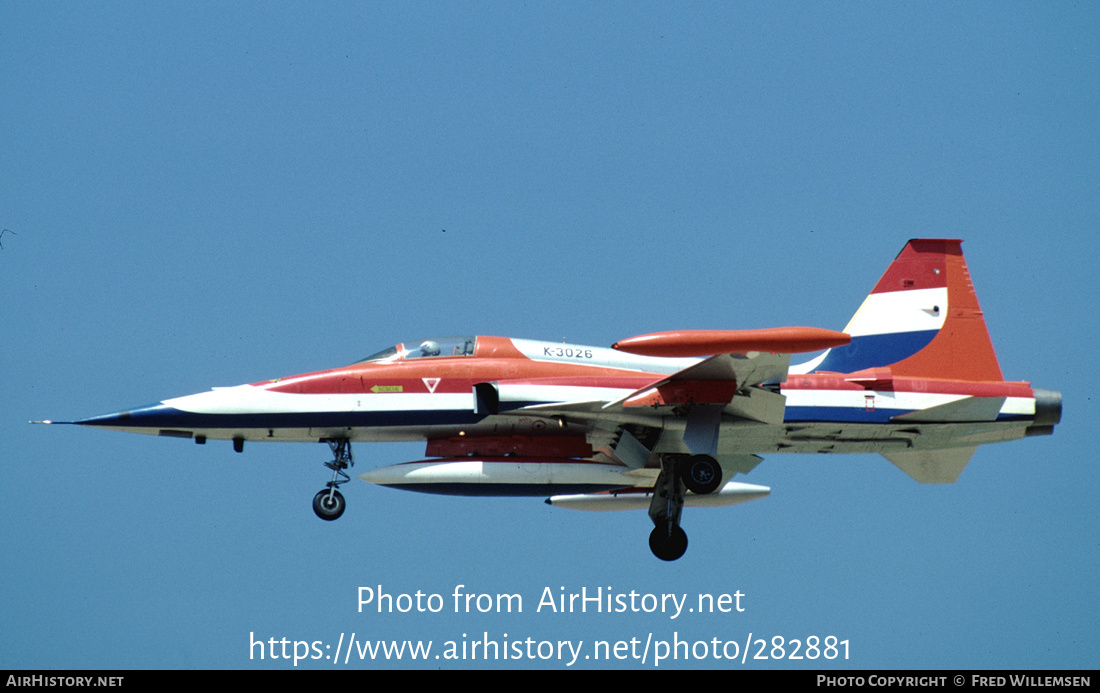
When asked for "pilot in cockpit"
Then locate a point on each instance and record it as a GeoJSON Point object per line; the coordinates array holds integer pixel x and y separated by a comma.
{"type": "Point", "coordinates": [429, 348]}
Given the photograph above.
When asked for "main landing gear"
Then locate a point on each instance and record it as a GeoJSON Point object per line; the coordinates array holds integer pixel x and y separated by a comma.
{"type": "Point", "coordinates": [699, 474]}
{"type": "Point", "coordinates": [329, 503]}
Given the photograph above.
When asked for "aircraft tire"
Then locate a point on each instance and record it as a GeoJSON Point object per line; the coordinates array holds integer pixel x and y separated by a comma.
{"type": "Point", "coordinates": [666, 546]}
{"type": "Point", "coordinates": [702, 474]}
{"type": "Point", "coordinates": [328, 508]}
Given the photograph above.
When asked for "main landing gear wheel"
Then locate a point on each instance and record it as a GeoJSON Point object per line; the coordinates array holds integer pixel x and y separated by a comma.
{"type": "Point", "coordinates": [702, 474]}
{"type": "Point", "coordinates": [668, 545]}
{"type": "Point", "coordinates": [328, 504]}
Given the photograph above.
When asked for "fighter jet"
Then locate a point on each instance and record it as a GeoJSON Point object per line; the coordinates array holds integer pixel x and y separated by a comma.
{"type": "Point", "coordinates": [659, 421]}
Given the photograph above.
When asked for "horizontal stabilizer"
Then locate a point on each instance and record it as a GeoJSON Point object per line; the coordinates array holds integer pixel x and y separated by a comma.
{"type": "Point", "coordinates": [932, 466]}
{"type": "Point", "coordinates": [738, 464]}
{"type": "Point", "coordinates": [962, 410]}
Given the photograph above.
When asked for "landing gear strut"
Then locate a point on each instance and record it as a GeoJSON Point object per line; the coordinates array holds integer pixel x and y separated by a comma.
{"type": "Point", "coordinates": [699, 474]}
{"type": "Point", "coordinates": [329, 503]}
{"type": "Point", "coordinates": [667, 540]}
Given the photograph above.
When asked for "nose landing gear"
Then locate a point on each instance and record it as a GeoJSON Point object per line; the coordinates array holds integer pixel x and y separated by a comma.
{"type": "Point", "coordinates": [328, 504]}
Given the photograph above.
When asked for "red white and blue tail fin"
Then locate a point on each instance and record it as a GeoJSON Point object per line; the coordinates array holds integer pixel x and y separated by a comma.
{"type": "Point", "coordinates": [921, 320]}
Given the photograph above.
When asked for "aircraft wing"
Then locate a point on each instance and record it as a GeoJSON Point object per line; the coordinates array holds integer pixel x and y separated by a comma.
{"type": "Point", "coordinates": [715, 380]}
{"type": "Point", "coordinates": [630, 428]}
{"type": "Point", "coordinates": [723, 379]}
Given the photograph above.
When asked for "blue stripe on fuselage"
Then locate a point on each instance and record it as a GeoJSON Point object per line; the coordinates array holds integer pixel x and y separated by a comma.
{"type": "Point", "coordinates": [811, 414]}
{"type": "Point", "coordinates": [166, 417]}
{"type": "Point", "coordinates": [840, 414]}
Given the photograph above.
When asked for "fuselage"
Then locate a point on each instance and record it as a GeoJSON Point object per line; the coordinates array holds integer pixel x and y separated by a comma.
{"type": "Point", "coordinates": [495, 386]}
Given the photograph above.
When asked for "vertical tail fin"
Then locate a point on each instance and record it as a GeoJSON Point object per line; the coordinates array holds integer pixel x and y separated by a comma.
{"type": "Point", "coordinates": [922, 319]}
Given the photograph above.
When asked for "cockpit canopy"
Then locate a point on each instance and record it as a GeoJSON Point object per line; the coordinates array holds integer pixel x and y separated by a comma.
{"type": "Point", "coordinates": [426, 348]}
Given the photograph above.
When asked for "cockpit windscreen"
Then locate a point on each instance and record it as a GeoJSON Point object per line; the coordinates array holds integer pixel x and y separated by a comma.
{"type": "Point", "coordinates": [426, 348]}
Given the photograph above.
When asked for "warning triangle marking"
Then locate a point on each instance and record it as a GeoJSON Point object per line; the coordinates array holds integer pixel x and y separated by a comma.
{"type": "Point", "coordinates": [431, 384]}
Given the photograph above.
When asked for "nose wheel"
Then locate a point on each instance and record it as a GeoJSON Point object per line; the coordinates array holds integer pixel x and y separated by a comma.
{"type": "Point", "coordinates": [328, 504]}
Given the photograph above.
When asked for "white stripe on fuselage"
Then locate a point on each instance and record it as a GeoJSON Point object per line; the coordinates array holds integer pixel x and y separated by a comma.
{"type": "Point", "coordinates": [248, 399]}
{"type": "Point", "coordinates": [559, 393]}
{"type": "Point", "coordinates": [602, 357]}
{"type": "Point", "coordinates": [908, 401]}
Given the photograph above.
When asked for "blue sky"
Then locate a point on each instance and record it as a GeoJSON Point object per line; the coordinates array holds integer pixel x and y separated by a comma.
{"type": "Point", "coordinates": [203, 194]}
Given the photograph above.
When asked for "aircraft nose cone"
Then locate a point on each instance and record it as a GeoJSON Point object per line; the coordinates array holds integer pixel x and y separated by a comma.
{"type": "Point", "coordinates": [151, 416]}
